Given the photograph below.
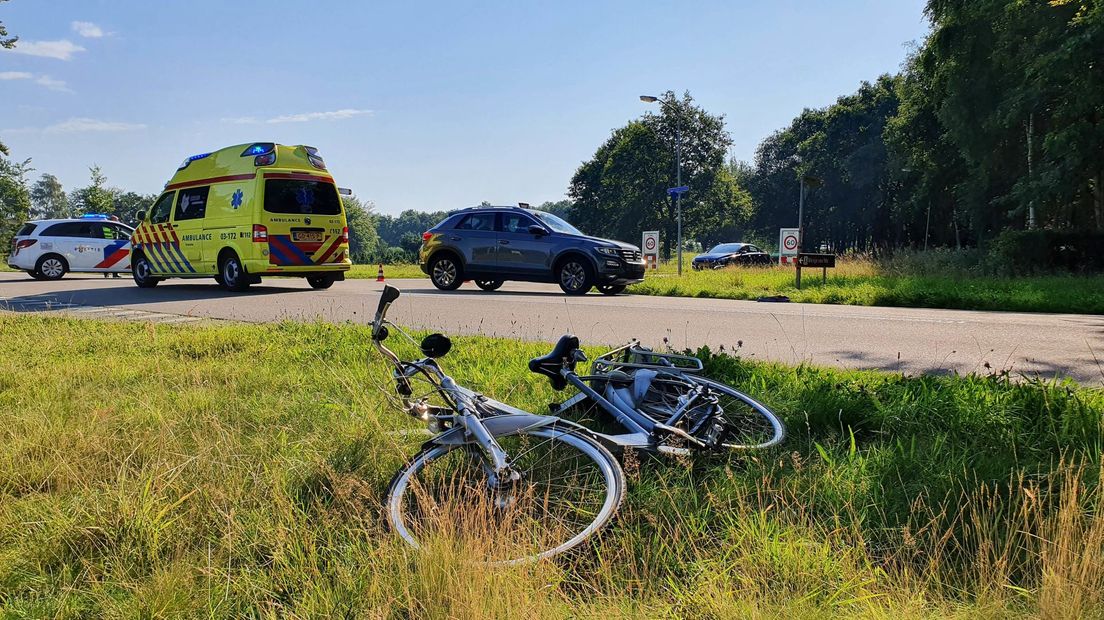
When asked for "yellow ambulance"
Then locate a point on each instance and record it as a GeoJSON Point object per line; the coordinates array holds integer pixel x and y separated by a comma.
{"type": "Point", "coordinates": [242, 213]}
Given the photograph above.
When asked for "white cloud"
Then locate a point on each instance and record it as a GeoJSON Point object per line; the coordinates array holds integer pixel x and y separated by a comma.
{"type": "Point", "coordinates": [61, 50]}
{"type": "Point", "coordinates": [81, 125]}
{"type": "Point", "coordinates": [42, 80]}
{"type": "Point", "coordinates": [52, 84]}
{"type": "Point", "coordinates": [88, 30]}
{"type": "Point", "coordinates": [305, 117]}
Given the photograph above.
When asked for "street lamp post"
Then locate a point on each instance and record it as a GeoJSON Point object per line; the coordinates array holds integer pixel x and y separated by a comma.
{"type": "Point", "coordinates": [678, 176]}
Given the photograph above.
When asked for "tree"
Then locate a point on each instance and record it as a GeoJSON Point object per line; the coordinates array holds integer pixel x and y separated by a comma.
{"type": "Point", "coordinates": [126, 205]}
{"type": "Point", "coordinates": [96, 197]}
{"type": "Point", "coordinates": [48, 199]}
{"type": "Point", "coordinates": [15, 198]}
{"type": "Point", "coordinates": [622, 190]}
{"type": "Point", "coordinates": [363, 238]}
{"type": "Point", "coordinates": [400, 237]}
{"type": "Point", "coordinates": [6, 42]}
{"type": "Point", "coordinates": [561, 208]}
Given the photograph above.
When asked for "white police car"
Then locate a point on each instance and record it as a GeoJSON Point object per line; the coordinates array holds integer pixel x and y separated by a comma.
{"type": "Point", "coordinates": [48, 249]}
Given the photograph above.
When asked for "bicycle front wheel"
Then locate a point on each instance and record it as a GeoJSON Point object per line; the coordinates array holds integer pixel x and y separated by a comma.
{"type": "Point", "coordinates": [747, 423]}
{"type": "Point", "coordinates": [567, 488]}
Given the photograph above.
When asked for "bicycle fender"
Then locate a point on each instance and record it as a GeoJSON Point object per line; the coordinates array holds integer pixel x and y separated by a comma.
{"type": "Point", "coordinates": [497, 426]}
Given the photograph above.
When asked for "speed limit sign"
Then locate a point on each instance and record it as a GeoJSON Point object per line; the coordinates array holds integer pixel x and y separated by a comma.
{"type": "Point", "coordinates": [788, 241]}
{"type": "Point", "coordinates": [650, 244]}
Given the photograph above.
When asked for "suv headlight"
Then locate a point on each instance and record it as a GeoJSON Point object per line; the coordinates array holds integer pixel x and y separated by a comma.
{"type": "Point", "coordinates": [607, 251]}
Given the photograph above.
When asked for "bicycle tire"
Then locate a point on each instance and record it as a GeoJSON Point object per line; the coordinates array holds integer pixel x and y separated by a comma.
{"type": "Point", "coordinates": [777, 430]}
{"type": "Point", "coordinates": [413, 505]}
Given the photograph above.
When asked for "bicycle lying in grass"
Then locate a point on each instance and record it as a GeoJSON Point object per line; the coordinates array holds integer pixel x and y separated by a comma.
{"type": "Point", "coordinates": [528, 486]}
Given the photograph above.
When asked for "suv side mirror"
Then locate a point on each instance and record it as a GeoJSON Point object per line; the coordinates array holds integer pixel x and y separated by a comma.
{"type": "Point", "coordinates": [140, 216]}
{"type": "Point", "coordinates": [539, 231]}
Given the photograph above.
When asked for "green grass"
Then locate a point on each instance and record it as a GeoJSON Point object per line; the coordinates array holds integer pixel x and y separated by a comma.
{"type": "Point", "coordinates": [369, 272]}
{"type": "Point", "coordinates": [922, 282]}
{"type": "Point", "coordinates": [865, 283]}
{"type": "Point", "coordinates": [238, 471]}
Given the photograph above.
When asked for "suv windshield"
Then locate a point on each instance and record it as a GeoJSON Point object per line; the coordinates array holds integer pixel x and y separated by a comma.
{"type": "Point", "coordinates": [726, 247]}
{"type": "Point", "coordinates": [557, 224]}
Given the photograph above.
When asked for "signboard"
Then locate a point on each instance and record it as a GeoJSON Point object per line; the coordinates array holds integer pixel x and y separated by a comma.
{"type": "Point", "coordinates": [650, 246]}
{"type": "Point", "coordinates": [681, 189]}
{"type": "Point", "coordinates": [787, 244]}
{"type": "Point", "coordinates": [816, 260]}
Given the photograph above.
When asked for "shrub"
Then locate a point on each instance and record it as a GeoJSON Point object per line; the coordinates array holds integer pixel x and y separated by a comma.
{"type": "Point", "coordinates": [1034, 251]}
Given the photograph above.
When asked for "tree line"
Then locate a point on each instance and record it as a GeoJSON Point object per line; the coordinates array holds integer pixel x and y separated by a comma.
{"type": "Point", "coordinates": [993, 126]}
{"type": "Point", "coordinates": [995, 123]}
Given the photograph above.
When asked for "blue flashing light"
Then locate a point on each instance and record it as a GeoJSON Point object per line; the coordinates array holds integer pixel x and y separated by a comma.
{"type": "Point", "coordinates": [259, 148]}
{"type": "Point", "coordinates": [191, 159]}
{"type": "Point", "coordinates": [94, 216]}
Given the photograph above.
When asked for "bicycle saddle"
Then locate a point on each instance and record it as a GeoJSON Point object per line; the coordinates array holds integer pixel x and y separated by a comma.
{"type": "Point", "coordinates": [550, 365]}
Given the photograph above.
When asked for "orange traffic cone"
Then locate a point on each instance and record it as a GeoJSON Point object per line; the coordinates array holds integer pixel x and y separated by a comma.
{"type": "Point", "coordinates": [379, 274]}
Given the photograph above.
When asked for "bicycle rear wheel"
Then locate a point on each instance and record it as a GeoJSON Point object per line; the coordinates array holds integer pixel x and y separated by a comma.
{"type": "Point", "coordinates": [569, 487]}
{"type": "Point", "coordinates": [746, 424]}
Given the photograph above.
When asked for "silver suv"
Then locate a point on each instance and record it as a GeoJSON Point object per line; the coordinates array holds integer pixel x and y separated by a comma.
{"type": "Point", "coordinates": [493, 244]}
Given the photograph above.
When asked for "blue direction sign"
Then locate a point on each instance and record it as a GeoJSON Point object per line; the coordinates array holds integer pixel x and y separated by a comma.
{"type": "Point", "coordinates": [682, 189]}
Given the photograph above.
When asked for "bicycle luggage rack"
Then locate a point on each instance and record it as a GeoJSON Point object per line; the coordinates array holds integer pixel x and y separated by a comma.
{"type": "Point", "coordinates": [633, 355]}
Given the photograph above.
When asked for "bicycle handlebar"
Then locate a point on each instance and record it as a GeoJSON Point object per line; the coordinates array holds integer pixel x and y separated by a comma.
{"type": "Point", "coordinates": [380, 333]}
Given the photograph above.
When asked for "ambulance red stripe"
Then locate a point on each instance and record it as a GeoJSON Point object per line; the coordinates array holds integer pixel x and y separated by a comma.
{"type": "Point", "coordinates": [211, 180]}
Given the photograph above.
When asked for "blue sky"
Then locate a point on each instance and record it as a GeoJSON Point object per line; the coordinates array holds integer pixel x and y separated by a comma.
{"type": "Point", "coordinates": [416, 105]}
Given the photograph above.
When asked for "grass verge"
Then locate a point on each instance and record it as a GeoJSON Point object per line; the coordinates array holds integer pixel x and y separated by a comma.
{"type": "Point", "coordinates": [865, 283]}
{"type": "Point", "coordinates": [369, 272]}
{"type": "Point", "coordinates": [238, 470]}
{"type": "Point", "coordinates": [862, 283]}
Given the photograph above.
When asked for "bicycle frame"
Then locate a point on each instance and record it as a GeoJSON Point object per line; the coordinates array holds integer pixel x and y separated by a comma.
{"type": "Point", "coordinates": [479, 419]}
{"type": "Point", "coordinates": [469, 426]}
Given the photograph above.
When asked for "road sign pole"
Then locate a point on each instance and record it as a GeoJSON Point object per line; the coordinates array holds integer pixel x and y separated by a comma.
{"type": "Point", "coordinates": [800, 229]}
{"type": "Point", "coordinates": [678, 183]}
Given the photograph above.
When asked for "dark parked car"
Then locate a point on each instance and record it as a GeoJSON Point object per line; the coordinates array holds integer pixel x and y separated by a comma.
{"type": "Point", "coordinates": [493, 244]}
{"type": "Point", "coordinates": [727, 254]}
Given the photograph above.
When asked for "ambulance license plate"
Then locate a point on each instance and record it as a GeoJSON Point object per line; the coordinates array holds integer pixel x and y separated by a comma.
{"type": "Point", "coordinates": [306, 235]}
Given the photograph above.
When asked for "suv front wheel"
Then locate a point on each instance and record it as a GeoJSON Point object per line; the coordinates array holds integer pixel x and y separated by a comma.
{"type": "Point", "coordinates": [446, 273]}
{"type": "Point", "coordinates": [575, 276]}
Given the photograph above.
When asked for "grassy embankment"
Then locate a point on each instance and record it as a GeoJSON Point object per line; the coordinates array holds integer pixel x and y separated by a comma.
{"type": "Point", "coordinates": [233, 471]}
{"type": "Point", "coordinates": [924, 282]}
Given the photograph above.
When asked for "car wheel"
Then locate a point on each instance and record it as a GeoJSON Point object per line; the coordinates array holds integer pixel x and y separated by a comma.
{"type": "Point", "coordinates": [233, 274]}
{"type": "Point", "coordinates": [611, 289]}
{"type": "Point", "coordinates": [51, 267]}
{"type": "Point", "coordinates": [36, 275]}
{"type": "Point", "coordinates": [142, 271]}
{"type": "Point", "coordinates": [446, 273]}
{"type": "Point", "coordinates": [489, 285]}
{"type": "Point", "coordinates": [320, 282]}
{"type": "Point", "coordinates": [575, 276]}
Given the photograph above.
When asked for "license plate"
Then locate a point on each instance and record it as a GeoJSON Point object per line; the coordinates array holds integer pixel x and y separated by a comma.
{"type": "Point", "coordinates": [306, 236]}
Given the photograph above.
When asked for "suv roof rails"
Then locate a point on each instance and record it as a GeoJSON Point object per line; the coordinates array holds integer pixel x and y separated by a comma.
{"type": "Point", "coordinates": [485, 207]}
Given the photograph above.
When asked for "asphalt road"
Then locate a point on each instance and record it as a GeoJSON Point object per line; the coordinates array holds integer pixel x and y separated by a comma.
{"type": "Point", "coordinates": [897, 339]}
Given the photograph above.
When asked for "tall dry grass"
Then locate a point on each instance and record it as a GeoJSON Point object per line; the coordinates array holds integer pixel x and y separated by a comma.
{"type": "Point", "coordinates": [239, 471]}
